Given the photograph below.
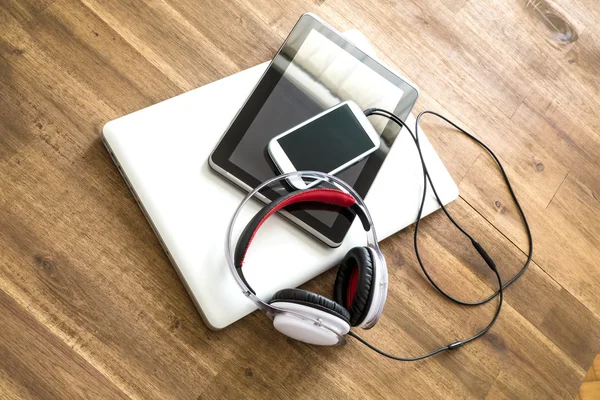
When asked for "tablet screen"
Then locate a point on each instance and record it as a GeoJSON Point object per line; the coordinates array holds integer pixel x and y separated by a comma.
{"type": "Point", "coordinates": [315, 70]}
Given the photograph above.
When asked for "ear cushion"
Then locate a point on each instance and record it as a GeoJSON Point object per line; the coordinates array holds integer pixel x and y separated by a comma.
{"type": "Point", "coordinates": [311, 299]}
{"type": "Point", "coordinates": [353, 284]}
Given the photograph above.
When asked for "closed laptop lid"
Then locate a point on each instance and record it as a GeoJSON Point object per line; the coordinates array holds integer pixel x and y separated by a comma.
{"type": "Point", "coordinates": [163, 152]}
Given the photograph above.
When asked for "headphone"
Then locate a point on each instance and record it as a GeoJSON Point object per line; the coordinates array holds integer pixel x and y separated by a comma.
{"type": "Point", "coordinates": [360, 288]}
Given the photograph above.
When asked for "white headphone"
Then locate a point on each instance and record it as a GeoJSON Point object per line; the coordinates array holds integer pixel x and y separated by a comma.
{"type": "Point", "coordinates": [360, 288]}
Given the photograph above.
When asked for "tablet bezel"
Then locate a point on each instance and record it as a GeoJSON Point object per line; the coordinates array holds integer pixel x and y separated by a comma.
{"type": "Point", "coordinates": [219, 159]}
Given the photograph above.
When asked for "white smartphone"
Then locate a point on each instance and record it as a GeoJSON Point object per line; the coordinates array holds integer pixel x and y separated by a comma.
{"type": "Point", "coordinates": [329, 142]}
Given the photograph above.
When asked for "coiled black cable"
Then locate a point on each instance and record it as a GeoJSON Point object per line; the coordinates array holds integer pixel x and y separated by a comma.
{"type": "Point", "coordinates": [478, 247]}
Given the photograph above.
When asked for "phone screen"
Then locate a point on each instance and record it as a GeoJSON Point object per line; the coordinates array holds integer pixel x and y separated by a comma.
{"type": "Point", "coordinates": [327, 142]}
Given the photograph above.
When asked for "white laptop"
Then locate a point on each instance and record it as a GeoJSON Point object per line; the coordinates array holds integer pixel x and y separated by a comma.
{"type": "Point", "coordinates": [162, 152]}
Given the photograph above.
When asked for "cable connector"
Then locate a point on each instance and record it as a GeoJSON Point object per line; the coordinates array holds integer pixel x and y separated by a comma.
{"type": "Point", "coordinates": [369, 111]}
{"type": "Point", "coordinates": [486, 257]}
{"type": "Point", "coordinates": [455, 345]}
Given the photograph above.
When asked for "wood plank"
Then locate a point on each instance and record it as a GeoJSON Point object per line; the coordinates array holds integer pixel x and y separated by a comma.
{"type": "Point", "coordinates": [590, 376]}
{"type": "Point", "coordinates": [25, 10]}
{"type": "Point", "coordinates": [454, 5]}
{"type": "Point", "coordinates": [36, 364]}
{"type": "Point", "coordinates": [183, 49]}
{"type": "Point", "coordinates": [16, 120]}
{"type": "Point", "coordinates": [589, 390]}
{"type": "Point", "coordinates": [94, 61]}
{"type": "Point", "coordinates": [566, 237]}
{"type": "Point", "coordinates": [94, 55]}
{"type": "Point", "coordinates": [111, 326]}
{"type": "Point", "coordinates": [577, 147]}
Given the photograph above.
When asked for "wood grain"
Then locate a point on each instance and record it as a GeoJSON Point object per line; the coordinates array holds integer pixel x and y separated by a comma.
{"type": "Point", "coordinates": [590, 389]}
{"type": "Point", "coordinates": [91, 307]}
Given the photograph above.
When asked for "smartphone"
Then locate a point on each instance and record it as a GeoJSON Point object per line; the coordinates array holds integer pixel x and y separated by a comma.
{"type": "Point", "coordinates": [329, 142]}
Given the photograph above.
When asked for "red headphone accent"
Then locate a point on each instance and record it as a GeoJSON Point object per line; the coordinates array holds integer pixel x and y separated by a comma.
{"type": "Point", "coordinates": [352, 285]}
{"type": "Point", "coordinates": [325, 196]}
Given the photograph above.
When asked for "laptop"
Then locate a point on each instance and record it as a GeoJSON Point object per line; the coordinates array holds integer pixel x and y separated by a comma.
{"type": "Point", "coordinates": [162, 152]}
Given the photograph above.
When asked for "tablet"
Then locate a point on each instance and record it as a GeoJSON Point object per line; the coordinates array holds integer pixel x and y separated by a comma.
{"type": "Point", "coordinates": [315, 69]}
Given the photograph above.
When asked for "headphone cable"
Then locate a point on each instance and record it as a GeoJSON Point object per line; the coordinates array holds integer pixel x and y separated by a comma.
{"type": "Point", "coordinates": [451, 346]}
{"type": "Point", "coordinates": [478, 247]}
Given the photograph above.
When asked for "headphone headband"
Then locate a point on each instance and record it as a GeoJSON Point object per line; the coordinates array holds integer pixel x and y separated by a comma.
{"type": "Point", "coordinates": [345, 197]}
{"type": "Point", "coordinates": [320, 195]}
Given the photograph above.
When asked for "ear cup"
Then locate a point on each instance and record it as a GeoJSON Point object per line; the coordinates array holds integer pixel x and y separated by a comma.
{"type": "Point", "coordinates": [354, 283]}
{"type": "Point", "coordinates": [309, 299]}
